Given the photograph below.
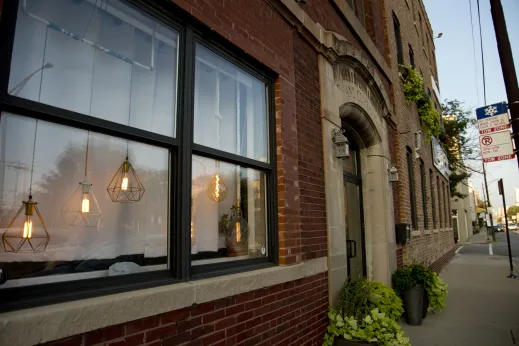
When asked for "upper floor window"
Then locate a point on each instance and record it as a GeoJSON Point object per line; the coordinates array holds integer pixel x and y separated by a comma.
{"type": "Point", "coordinates": [424, 195]}
{"type": "Point", "coordinates": [433, 201]}
{"type": "Point", "coordinates": [106, 180]}
{"type": "Point", "coordinates": [358, 8]}
{"type": "Point", "coordinates": [411, 56]}
{"type": "Point", "coordinates": [398, 40]}
{"type": "Point", "coordinates": [412, 194]}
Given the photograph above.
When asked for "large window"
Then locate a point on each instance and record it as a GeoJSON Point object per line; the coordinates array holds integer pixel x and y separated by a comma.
{"type": "Point", "coordinates": [412, 194]}
{"type": "Point", "coordinates": [128, 145]}
{"type": "Point", "coordinates": [398, 40]}
{"type": "Point", "coordinates": [440, 211]}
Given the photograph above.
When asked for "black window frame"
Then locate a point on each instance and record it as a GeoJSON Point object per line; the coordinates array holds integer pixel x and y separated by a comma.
{"type": "Point", "coordinates": [181, 148]}
{"type": "Point", "coordinates": [398, 40]}
{"type": "Point", "coordinates": [411, 57]}
{"type": "Point", "coordinates": [424, 195]}
{"type": "Point", "coordinates": [433, 202]}
{"type": "Point", "coordinates": [412, 193]}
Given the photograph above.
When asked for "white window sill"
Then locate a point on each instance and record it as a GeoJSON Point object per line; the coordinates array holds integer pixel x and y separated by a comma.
{"type": "Point", "coordinates": [54, 322]}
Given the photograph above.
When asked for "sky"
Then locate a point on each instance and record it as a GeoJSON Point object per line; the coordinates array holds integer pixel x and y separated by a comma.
{"type": "Point", "coordinates": [460, 76]}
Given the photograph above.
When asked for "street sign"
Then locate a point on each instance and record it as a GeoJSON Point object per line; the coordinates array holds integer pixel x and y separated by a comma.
{"type": "Point", "coordinates": [493, 118]}
{"type": "Point", "coordinates": [496, 146]}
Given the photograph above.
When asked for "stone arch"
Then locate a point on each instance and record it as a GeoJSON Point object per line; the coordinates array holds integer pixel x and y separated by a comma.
{"type": "Point", "coordinates": [354, 98]}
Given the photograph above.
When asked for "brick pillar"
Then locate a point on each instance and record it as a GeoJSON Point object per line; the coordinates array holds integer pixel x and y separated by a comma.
{"type": "Point", "coordinates": [287, 173]}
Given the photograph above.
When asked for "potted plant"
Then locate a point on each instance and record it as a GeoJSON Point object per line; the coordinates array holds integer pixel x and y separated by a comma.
{"type": "Point", "coordinates": [367, 314]}
{"type": "Point", "coordinates": [407, 286]}
{"type": "Point", "coordinates": [374, 329]}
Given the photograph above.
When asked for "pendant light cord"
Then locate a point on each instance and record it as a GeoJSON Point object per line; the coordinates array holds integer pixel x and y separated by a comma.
{"type": "Point", "coordinates": [33, 156]}
{"type": "Point", "coordinates": [129, 111]}
{"type": "Point", "coordinates": [86, 154]}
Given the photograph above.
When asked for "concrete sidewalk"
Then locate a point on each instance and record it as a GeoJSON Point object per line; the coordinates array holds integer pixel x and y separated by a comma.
{"type": "Point", "coordinates": [478, 238]}
{"type": "Point", "coordinates": [482, 307]}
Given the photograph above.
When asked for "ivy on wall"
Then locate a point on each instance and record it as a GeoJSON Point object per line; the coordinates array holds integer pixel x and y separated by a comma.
{"type": "Point", "coordinates": [414, 93]}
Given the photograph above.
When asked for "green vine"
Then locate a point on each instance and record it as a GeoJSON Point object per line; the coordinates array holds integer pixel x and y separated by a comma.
{"type": "Point", "coordinates": [414, 93]}
{"type": "Point", "coordinates": [413, 85]}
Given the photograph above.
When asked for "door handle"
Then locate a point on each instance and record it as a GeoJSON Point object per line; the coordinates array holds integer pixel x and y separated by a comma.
{"type": "Point", "coordinates": [351, 248]}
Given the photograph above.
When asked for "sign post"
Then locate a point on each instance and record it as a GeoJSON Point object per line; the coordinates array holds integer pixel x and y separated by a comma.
{"type": "Point", "coordinates": [494, 133]}
{"type": "Point", "coordinates": [502, 193]}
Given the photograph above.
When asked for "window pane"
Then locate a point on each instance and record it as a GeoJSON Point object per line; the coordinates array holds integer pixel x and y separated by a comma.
{"type": "Point", "coordinates": [96, 239]}
{"type": "Point", "coordinates": [109, 61]}
{"type": "Point", "coordinates": [228, 212]}
{"type": "Point", "coordinates": [230, 107]}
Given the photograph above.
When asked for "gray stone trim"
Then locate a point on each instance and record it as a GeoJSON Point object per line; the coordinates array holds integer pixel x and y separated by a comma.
{"type": "Point", "coordinates": [54, 322]}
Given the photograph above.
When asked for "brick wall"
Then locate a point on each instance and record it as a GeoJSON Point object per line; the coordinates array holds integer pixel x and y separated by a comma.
{"type": "Point", "coordinates": [293, 313]}
{"type": "Point", "coordinates": [310, 151]}
{"type": "Point", "coordinates": [425, 247]}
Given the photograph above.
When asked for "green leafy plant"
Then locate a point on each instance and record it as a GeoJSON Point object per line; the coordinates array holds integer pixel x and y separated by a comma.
{"type": "Point", "coordinates": [403, 279]}
{"type": "Point", "coordinates": [429, 117]}
{"type": "Point", "coordinates": [437, 291]}
{"type": "Point", "coordinates": [359, 297]}
{"type": "Point", "coordinates": [413, 85]}
{"type": "Point", "coordinates": [408, 276]}
{"type": "Point", "coordinates": [375, 327]}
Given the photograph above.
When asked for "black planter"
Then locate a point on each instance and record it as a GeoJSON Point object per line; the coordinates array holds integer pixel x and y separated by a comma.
{"type": "Point", "coordinates": [413, 303]}
{"type": "Point", "coordinates": [425, 303]}
{"type": "Point", "coordinates": [344, 342]}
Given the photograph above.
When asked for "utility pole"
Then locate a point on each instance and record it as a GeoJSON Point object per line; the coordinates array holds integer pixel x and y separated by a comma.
{"type": "Point", "coordinates": [488, 205]}
{"type": "Point", "coordinates": [502, 193]}
{"type": "Point", "coordinates": [507, 65]}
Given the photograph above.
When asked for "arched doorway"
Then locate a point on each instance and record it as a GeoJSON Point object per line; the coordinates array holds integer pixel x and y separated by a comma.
{"type": "Point", "coordinates": [354, 214]}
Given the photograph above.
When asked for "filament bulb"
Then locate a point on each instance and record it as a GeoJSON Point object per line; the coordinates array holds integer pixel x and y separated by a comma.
{"type": "Point", "coordinates": [85, 203]}
{"type": "Point", "coordinates": [124, 183]}
{"type": "Point", "coordinates": [27, 228]}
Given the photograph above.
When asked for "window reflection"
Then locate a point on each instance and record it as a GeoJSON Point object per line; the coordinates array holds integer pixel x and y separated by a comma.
{"type": "Point", "coordinates": [231, 227]}
{"type": "Point", "coordinates": [230, 107]}
{"type": "Point", "coordinates": [127, 238]}
{"type": "Point", "coordinates": [109, 61]}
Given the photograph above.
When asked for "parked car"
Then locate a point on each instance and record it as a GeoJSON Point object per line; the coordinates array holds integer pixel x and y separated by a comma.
{"type": "Point", "coordinates": [500, 227]}
{"type": "Point", "coordinates": [512, 226]}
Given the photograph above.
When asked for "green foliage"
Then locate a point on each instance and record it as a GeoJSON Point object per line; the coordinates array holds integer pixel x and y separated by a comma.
{"type": "Point", "coordinates": [461, 143]}
{"type": "Point", "coordinates": [403, 279]}
{"type": "Point", "coordinates": [374, 327]}
{"type": "Point", "coordinates": [408, 276]}
{"type": "Point", "coordinates": [359, 297]}
{"type": "Point", "coordinates": [437, 291]}
{"type": "Point", "coordinates": [430, 117]}
{"type": "Point", "coordinates": [414, 92]}
{"type": "Point", "coordinates": [413, 85]}
{"type": "Point", "coordinates": [512, 211]}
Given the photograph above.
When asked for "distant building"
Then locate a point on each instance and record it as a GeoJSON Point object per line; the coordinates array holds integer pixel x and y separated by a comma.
{"type": "Point", "coordinates": [517, 197]}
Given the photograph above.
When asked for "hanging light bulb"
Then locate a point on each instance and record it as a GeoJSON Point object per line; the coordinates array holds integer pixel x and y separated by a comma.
{"type": "Point", "coordinates": [85, 204]}
{"type": "Point", "coordinates": [217, 190]}
{"type": "Point", "coordinates": [126, 187]}
{"type": "Point", "coordinates": [238, 232]}
{"type": "Point", "coordinates": [26, 238]}
{"type": "Point", "coordinates": [124, 184]}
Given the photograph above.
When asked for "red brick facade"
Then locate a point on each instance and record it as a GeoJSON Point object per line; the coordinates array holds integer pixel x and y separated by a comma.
{"type": "Point", "coordinates": [293, 313]}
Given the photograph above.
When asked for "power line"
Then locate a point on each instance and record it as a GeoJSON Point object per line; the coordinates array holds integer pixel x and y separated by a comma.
{"type": "Point", "coordinates": [482, 57]}
{"type": "Point", "coordinates": [474, 52]}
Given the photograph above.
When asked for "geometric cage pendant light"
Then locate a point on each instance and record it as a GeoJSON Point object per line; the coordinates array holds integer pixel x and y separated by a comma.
{"type": "Point", "coordinates": [25, 232]}
{"type": "Point", "coordinates": [82, 208]}
{"type": "Point", "coordinates": [125, 187]}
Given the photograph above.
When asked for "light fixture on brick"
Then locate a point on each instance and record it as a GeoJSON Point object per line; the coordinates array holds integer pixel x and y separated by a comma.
{"type": "Point", "coordinates": [393, 174]}
{"type": "Point", "coordinates": [340, 144]}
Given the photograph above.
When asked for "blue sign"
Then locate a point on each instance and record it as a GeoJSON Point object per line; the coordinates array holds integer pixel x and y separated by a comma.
{"type": "Point", "coordinates": [491, 110]}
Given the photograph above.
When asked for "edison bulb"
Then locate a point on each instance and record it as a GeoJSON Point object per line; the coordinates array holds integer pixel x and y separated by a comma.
{"type": "Point", "coordinates": [85, 204]}
{"type": "Point", "coordinates": [124, 183]}
{"type": "Point", "coordinates": [217, 190]}
{"type": "Point", "coordinates": [238, 231]}
{"type": "Point", "coordinates": [27, 228]}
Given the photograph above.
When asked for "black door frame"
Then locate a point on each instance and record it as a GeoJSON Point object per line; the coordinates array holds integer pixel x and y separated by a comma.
{"type": "Point", "coordinates": [356, 179]}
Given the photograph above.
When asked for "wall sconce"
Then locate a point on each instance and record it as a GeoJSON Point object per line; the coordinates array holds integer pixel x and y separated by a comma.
{"type": "Point", "coordinates": [340, 144]}
{"type": "Point", "coordinates": [393, 174]}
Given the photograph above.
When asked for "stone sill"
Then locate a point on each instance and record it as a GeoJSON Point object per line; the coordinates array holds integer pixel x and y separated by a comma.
{"type": "Point", "coordinates": [427, 231]}
{"type": "Point", "coordinates": [53, 322]}
{"type": "Point", "coordinates": [416, 233]}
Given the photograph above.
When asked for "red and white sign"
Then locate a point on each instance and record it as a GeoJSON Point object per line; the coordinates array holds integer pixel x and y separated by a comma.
{"type": "Point", "coordinates": [494, 124]}
{"type": "Point", "coordinates": [496, 146]}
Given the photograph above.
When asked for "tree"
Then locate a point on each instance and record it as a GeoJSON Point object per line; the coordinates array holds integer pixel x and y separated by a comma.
{"type": "Point", "coordinates": [500, 219]}
{"type": "Point", "coordinates": [460, 140]}
{"type": "Point", "coordinates": [513, 211]}
{"type": "Point", "coordinates": [481, 204]}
